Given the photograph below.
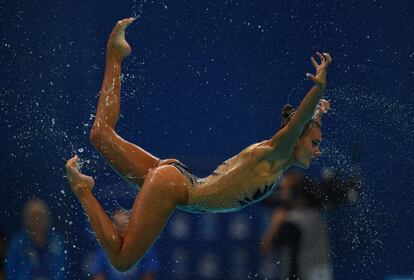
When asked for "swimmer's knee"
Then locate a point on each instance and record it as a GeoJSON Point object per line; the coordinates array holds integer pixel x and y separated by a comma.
{"type": "Point", "coordinates": [122, 267]}
{"type": "Point", "coordinates": [96, 135]}
{"type": "Point", "coordinates": [93, 135]}
{"type": "Point", "coordinates": [123, 262]}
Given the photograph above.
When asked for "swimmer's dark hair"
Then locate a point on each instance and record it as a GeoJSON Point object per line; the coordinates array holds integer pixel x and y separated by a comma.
{"type": "Point", "coordinates": [287, 114]}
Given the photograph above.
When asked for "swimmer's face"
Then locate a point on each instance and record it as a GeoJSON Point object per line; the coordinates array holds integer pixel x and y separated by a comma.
{"type": "Point", "coordinates": [307, 147]}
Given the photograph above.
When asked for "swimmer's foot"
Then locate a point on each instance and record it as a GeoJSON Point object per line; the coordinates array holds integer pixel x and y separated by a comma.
{"type": "Point", "coordinates": [117, 45]}
{"type": "Point", "coordinates": [78, 181]}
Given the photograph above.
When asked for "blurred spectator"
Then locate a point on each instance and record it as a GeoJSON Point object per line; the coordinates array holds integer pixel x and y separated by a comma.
{"type": "Point", "coordinates": [2, 255]}
{"type": "Point", "coordinates": [146, 269]}
{"type": "Point", "coordinates": [298, 231]}
{"type": "Point", "coordinates": [36, 252]}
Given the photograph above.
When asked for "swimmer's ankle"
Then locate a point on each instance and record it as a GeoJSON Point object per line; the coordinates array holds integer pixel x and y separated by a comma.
{"type": "Point", "coordinates": [114, 56]}
{"type": "Point", "coordinates": [81, 191]}
{"type": "Point", "coordinates": [117, 45]}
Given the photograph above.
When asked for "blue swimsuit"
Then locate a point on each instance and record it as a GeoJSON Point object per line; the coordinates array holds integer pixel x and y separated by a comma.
{"type": "Point", "coordinates": [260, 194]}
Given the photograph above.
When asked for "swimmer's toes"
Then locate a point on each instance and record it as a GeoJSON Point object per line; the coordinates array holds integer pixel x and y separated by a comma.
{"type": "Point", "coordinates": [126, 22]}
{"type": "Point", "coordinates": [121, 25]}
{"type": "Point", "coordinates": [117, 41]}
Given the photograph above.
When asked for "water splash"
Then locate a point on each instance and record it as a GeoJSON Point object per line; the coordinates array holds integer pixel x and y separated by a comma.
{"type": "Point", "coordinates": [138, 8]}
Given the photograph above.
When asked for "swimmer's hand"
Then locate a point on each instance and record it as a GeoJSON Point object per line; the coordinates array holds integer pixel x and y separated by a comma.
{"type": "Point", "coordinates": [78, 181]}
{"type": "Point", "coordinates": [117, 45]}
{"type": "Point", "coordinates": [324, 106]}
{"type": "Point", "coordinates": [320, 78]}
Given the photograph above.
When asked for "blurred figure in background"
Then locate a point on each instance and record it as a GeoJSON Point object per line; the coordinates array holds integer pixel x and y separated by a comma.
{"type": "Point", "coordinates": [36, 252]}
{"type": "Point", "coordinates": [298, 231]}
{"type": "Point", "coordinates": [146, 269]}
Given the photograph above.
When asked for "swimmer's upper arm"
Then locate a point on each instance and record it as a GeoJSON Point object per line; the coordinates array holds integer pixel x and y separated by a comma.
{"type": "Point", "coordinates": [285, 139]}
{"type": "Point", "coordinates": [266, 158]}
{"type": "Point", "coordinates": [279, 148]}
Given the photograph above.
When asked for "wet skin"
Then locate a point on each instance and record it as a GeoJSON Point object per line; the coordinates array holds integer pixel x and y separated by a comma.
{"type": "Point", "coordinates": [163, 188]}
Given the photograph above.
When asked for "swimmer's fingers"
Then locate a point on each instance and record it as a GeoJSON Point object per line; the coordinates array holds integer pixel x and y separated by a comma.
{"type": "Point", "coordinates": [314, 62]}
{"type": "Point", "coordinates": [321, 57]}
{"type": "Point", "coordinates": [328, 58]}
{"type": "Point", "coordinates": [316, 79]}
{"type": "Point", "coordinates": [312, 77]}
{"type": "Point", "coordinates": [325, 105]}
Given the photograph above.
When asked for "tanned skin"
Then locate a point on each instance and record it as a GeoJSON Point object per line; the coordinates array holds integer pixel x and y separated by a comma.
{"type": "Point", "coordinates": [162, 187]}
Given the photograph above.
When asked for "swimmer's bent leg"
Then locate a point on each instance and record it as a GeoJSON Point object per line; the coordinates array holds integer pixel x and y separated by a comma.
{"type": "Point", "coordinates": [129, 160]}
{"type": "Point", "coordinates": [164, 189]}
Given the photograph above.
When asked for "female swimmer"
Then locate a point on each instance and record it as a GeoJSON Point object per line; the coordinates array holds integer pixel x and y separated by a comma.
{"type": "Point", "coordinates": [165, 185]}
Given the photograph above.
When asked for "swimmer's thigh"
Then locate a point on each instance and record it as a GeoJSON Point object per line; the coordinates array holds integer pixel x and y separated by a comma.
{"type": "Point", "coordinates": [164, 188]}
{"type": "Point", "coordinates": [129, 160]}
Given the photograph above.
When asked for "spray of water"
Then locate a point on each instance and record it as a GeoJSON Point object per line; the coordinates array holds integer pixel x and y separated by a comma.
{"type": "Point", "coordinates": [381, 128]}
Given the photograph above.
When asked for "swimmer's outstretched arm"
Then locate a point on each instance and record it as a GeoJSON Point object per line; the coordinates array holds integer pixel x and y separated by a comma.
{"type": "Point", "coordinates": [286, 138]}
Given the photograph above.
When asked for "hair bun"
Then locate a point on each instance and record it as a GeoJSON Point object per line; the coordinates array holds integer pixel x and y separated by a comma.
{"type": "Point", "coordinates": [287, 111]}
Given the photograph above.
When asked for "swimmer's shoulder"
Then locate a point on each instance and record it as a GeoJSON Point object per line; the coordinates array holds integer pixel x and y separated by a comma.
{"type": "Point", "coordinates": [258, 151]}
{"type": "Point", "coordinates": [265, 161]}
